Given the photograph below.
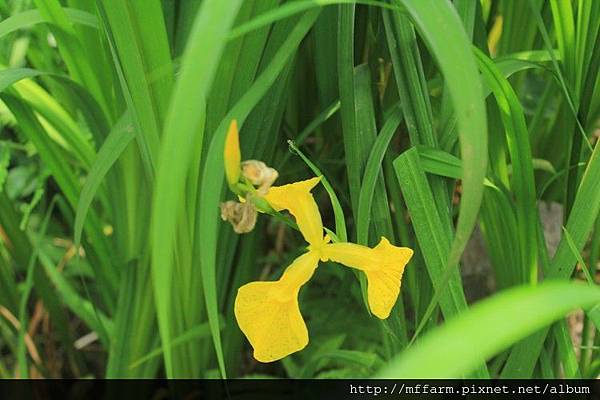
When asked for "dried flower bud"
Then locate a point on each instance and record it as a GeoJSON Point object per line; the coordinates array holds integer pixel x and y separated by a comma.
{"type": "Point", "coordinates": [242, 216]}
{"type": "Point", "coordinates": [259, 174]}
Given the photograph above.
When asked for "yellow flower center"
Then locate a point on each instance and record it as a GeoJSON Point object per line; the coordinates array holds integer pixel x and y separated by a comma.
{"type": "Point", "coordinates": [318, 248]}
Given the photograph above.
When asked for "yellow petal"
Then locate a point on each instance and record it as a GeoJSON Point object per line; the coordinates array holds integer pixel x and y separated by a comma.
{"type": "Point", "coordinates": [232, 155]}
{"type": "Point", "coordinates": [269, 315]}
{"type": "Point", "coordinates": [384, 265]}
{"type": "Point", "coordinates": [297, 199]}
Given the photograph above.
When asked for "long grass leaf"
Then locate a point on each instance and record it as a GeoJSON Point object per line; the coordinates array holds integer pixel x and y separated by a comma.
{"type": "Point", "coordinates": [458, 346]}
{"type": "Point", "coordinates": [116, 142]}
{"type": "Point", "coordinates": [436, 21]}
{"type": "Point", "coordinates": [579, 224]}
{"type": "Point", "coordinates": [32, 17]}
{"type": "Point", "coordinates": [184, 118]}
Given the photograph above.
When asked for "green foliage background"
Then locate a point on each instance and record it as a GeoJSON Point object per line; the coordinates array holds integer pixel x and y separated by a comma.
{"type": "Point", "coordinates": [426, 117]}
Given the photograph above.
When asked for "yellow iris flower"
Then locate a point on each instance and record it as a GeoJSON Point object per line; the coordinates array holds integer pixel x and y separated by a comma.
{"type": "Point", "coordinates": [268, 312]}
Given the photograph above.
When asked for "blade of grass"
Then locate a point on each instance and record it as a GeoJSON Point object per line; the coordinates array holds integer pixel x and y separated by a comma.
{"type": "Point", "coordinates": [372, 171]}
{"type": "Point", "coordinates": [577, 255]}
{"type": "Point", "coordinates": [345, 65]}
{"type": "Point", "coordinates": [324, 116]}
{"type": "Point", "coordinates": [72, 137]}
{"type": "Point", "coordinates": [116, 142]}
{"type": "Point", "coordinates": [378, 219]}
{"type": "Point", "coordinates": [519, 148]}
{"type": "Point", "coordinates": [84, 309]}
{"type": "Point", "coordinates": [433, 239]}
{"type": "Point", "coordinates": [338, 212]}
{"type": "Point", "coordinates": [181, 125]}
{"type": "Point", "coordinates": [200, 331]}
{"type": "Point", "coordinates": [139, 37]}
{"type": "Point", "coordinates": [70, 49]}
{"type": "Point", "coordinates": [566, 351]}
{"type": "Point", "coordinates": [579, 224]}
{"type": "Point", "coordinates": [296, 7]}
{"type": "Point", "coordinates": [567, 90]}
{"type": "Point", "coordinates": [29, 18]}
{"type": "Point", "coordinates": [436, 21]}
{"type": "Point", "coordinates": [457, 347]}
{"type": "Point", "coordinates": [28, 286]}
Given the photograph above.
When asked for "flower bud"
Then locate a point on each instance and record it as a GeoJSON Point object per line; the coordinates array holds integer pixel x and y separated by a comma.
{"type": "Point", "coordinates": [232, 154]}
{"type": "Point", "coordinates": [259, 174]}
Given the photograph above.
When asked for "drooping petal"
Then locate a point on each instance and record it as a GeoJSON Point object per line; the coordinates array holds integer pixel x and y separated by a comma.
{"type": "Point", "coordinates": [297, 199]}
{"type": "Point", "coordinates": [269, 315]}
{"type": "Point", "coordinates": [232, 155]}
{"type": "Point", "coordinates": [384, 265]}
